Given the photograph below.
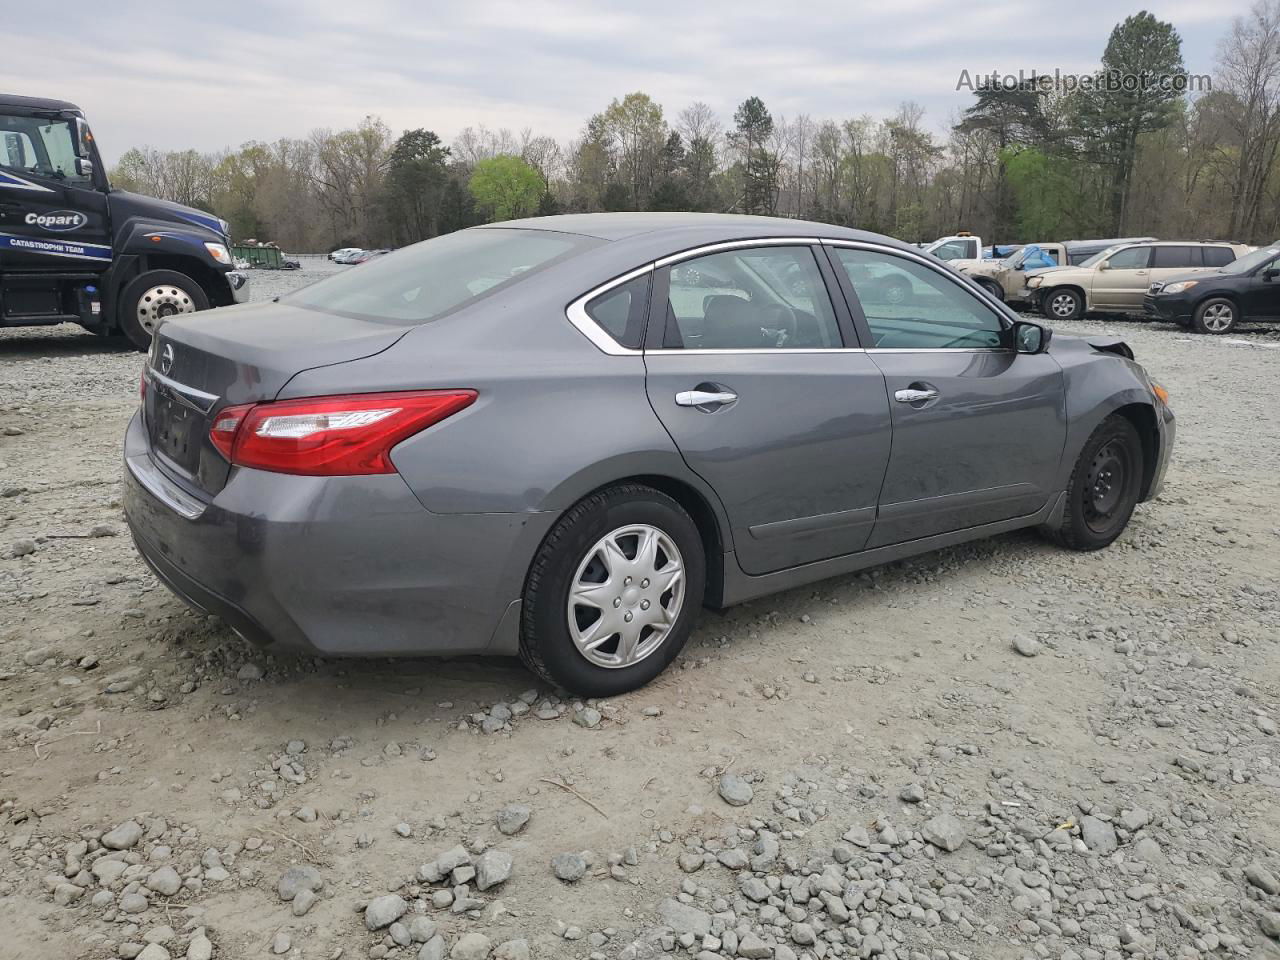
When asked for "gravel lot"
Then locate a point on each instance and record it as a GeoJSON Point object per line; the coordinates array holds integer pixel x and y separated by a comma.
{"type": "Point", "coordinates": [1002, 750]}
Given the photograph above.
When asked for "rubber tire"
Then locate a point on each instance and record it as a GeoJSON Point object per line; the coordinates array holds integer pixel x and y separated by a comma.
{"type": "Point", "coordinates": [903, 298]}
{"type": "Point", "coordinates": [1197, 320]}
{"type": "Point", "coordinates": [127, 309]}
{"type": "Point", "coordinates": [545, 645]}
{"type": "Point", "coordinates": [1074, 533]}
{"type": "Point", "coordinates": [992, 288]}
{"type": "Point", "coordinates": [1075, 314]}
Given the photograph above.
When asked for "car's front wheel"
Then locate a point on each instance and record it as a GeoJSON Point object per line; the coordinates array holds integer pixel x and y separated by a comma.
{"type": "Point", "coordinates": [612, 594]}
{"type": "Point", "coordinates": [1063, 304]}
{"type": "Point", "coordinates": [1216, 315]}
{"type": "Point", "coordinates": [1104, 487]}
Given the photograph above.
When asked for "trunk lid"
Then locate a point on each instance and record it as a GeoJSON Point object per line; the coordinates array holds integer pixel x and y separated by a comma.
{"type": "Point", "coordinates": [203, 363]}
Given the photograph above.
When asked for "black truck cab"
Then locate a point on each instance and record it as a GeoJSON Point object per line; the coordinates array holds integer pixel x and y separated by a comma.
{"type": "Point", "coordinates": [72, 249]}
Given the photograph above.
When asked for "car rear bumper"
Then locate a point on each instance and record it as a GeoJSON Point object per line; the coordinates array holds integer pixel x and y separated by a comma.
{"type": "Point", "coordinates": [332, 565]}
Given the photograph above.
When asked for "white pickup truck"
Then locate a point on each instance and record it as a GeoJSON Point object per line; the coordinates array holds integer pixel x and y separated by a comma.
{"type": "Point", "coordinates": [962, 246]}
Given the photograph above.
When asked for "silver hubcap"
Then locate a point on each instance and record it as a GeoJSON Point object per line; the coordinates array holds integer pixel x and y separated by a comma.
{"type": "Point", "coordinates": [1218, 317]}
{"type": "Point", "coordinates": [160, 302]}
{"type": "Point", "coordinates": [626, 595]}
{"type": "Point", "coordinates": [1063, 305]}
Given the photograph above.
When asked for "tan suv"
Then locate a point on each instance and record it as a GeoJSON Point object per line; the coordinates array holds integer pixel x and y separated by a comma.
{"type": "Point", "coordinates": [1116, 280]}
{"type": "Point", "coordinates": [1007, 279]}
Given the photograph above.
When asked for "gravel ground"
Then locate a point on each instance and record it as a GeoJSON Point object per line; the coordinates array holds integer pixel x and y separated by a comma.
{"type": "Point", "coordinates": [1002, 750]}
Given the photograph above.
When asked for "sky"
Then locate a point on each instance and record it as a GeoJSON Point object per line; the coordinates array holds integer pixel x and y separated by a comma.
{"type": "Point", "coordinates": [182, 75]}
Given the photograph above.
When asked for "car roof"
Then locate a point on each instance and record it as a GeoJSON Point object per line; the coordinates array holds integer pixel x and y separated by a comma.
{"type": "Point", "coordinates": [37, 103]}
{"type": "Point", "coordinates": [723, 226]}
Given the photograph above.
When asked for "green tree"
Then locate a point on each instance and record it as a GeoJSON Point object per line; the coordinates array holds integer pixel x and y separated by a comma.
{"type": "Point", "coordinates": [759, 169]}
{"type": "Point", "coordinates": [1138, 94]}
{"type": "Point", "coordinates": [457, 207]}
{"type": "Point", "coordinates": [635, 123]}
{"type": "Point", "coordinates": [1009, 116]}
{"type": "Point", "coordinates": [414, 186]}
{"type": "Point", "coordinates": [506, 186]}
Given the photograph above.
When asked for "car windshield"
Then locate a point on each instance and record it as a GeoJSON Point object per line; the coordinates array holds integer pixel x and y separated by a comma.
{"type": "Point", "coordinates": [1250, 261]}
{"type": "Point", "coordinates": [429, 279]}
{"type": "Point", "coordinates": [44, 147]}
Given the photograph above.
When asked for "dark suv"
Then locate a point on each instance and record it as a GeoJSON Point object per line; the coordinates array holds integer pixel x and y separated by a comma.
{"type": "Point", "coordinates": [1247, 289]}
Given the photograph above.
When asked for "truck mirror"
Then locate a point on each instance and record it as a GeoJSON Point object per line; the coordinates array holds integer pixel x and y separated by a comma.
{"type": "Point", "coordinates": [83, 139]}
{"type": "Point", "coordinates": [84, 168]}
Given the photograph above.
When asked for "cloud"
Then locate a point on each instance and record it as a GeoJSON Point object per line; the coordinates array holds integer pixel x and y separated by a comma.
{"type": "Point", "coordinates": [174, 77]}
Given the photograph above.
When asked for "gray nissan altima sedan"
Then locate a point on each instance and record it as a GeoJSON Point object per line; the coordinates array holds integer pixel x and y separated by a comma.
{"type": "Point", "coordinates": [561, 437]}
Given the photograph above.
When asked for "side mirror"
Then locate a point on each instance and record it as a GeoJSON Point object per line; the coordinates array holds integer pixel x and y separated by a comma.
{"type": "Point", "coordinates": [1031, 337]}
{"type": "Point", "coordinates": [1270, 274]}
{"type": "Point", "coordinates": [84, 168]}
{"type": "Point", "coordinates": [1105, 265]}
{"type": "Point", "coordinates": [1021, 266]}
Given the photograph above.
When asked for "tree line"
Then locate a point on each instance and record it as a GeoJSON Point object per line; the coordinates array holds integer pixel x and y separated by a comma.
{"type": "Point", "coordinates": [1024, 161]}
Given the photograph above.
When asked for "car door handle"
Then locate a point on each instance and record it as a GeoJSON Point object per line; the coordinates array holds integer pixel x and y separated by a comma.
{"type": "Point", "coordinates": [704, 398]}
{"type": "Point", "coordinates": [915, 396]}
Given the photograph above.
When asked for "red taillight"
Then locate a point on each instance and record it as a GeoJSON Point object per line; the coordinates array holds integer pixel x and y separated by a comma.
{"type": "Point", "coordinates": [330, 436]}
{"type": "Point", "coordinates": [223, 432]}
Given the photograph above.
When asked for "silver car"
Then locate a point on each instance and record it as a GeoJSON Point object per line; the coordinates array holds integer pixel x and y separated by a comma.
{"type": "Point", "coordinates": [561, 437]}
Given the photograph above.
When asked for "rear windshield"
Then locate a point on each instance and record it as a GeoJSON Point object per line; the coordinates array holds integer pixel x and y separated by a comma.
{"type": "Point", "coordinates": [429, 279]}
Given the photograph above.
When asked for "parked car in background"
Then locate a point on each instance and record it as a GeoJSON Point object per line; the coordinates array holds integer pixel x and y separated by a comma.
{"type": "Point", "coordinates": [1117, 279]}
{"type": "Point", "coordinates": [1007, 278]}
{"type": "Point", "coordinates": [365, 255]}
{"type": "Point", "coordinates": [349, 256]}
{"type": "Point", "coordinates": [372, 465]}
{"type": "Point", "coordinates": [1217, 301]}
{"type": "Point", "coordinates": [343, 252]}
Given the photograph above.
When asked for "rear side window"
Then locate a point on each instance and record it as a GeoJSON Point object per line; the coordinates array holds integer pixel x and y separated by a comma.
{"type": "Point", "coordinates": [1177, 257]}
{"type": "Point", "coordinates": [1218, 256]}
{"type": "Point", "coordinates": [427, 280]}
{"type": "Point", "coordinates": [756, 298]}
{"type": "Point", "coordinates": [621, 312]}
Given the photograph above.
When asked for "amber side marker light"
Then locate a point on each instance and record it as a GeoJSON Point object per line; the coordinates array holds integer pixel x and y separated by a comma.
{"type": "Point", "coordinates": [1161, 393]}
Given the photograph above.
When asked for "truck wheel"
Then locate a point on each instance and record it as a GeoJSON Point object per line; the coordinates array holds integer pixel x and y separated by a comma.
{"type": "Point", "coordinates": [152, 297]}
{"type": "Point", "coordinates": [1062, 304]}
{"type": "Point", "coordinates": [1216, 315]}
{"type": "Point", "coordinates": [992, 288]}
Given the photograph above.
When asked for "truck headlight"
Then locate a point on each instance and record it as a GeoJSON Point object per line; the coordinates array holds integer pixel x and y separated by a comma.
{"type": "Point", "coordinates": [219, 252]}
{"type": "Point", "coordinates": [1179, 287]}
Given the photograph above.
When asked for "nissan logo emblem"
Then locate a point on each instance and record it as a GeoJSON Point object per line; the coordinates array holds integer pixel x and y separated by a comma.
{"type": "Point", "coordinates": [166, 359]}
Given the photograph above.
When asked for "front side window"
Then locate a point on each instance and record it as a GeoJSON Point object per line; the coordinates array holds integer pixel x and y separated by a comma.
{"type": "Point", "coordinates": [909, 306]}
{"type": "Point", "coordinates": [42, 147]}
{"type": "Point", "coordinates": [1131, 258]}
{"type": "Point", "coordinates": [429, 279]}
{"type": "Point", "coordinates": [1176, 257]}
{"type": "Point", "coordinates": [755, 298]}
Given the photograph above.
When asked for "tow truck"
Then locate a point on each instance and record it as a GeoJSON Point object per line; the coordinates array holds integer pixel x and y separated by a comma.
{"type": "Point", "coordinates": [75, 249]}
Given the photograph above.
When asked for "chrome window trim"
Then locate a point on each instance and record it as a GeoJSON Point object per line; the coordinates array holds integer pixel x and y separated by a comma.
{"type": "Point", "coordinates": [924, 261]}
{"type": "Point", "coordinates": [724, 245]}
{"type": "Point", "coordinates": [603, 340]}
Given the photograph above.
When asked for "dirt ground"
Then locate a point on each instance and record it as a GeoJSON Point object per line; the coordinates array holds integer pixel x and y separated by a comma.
{"type": "Point", "coordinates": [1116, 794]}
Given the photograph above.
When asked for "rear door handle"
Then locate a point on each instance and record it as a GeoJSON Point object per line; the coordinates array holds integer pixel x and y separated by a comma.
{"type": "Point", "coordinates": [704, 398]}
{"type": "Point", "coordinates": [915, 396]}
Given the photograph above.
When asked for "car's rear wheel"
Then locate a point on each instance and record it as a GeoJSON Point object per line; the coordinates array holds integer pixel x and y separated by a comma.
{"type": "Point", "coordinates": [613, 592]}
{"type": "Point", "coordinates": [1216, 315]}
{"type": "Point", "coordinates": [1063, 304]}
{"type": "Point", "coordinates": [1104, 486]}
{"type": "Point", "coordinates": [153, 297]}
